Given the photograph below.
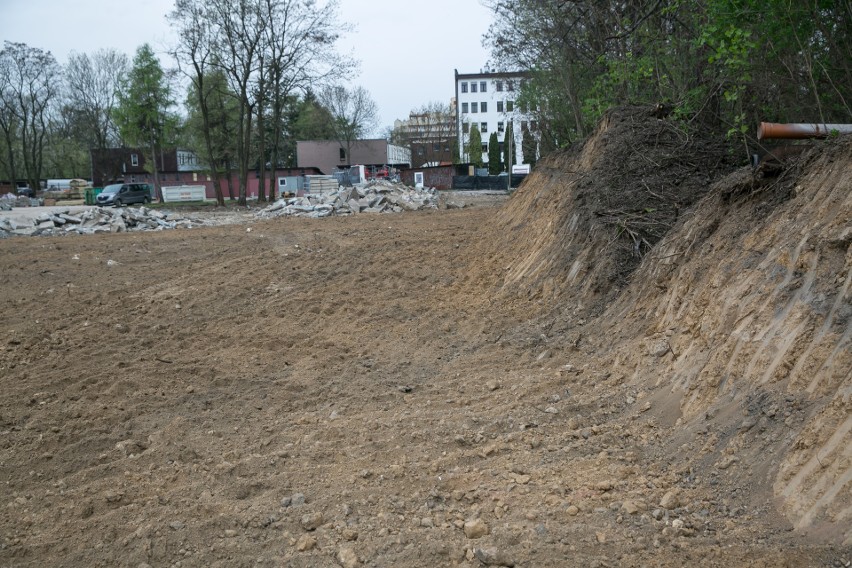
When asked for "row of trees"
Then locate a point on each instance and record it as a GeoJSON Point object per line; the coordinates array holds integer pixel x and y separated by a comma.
{"type": "Point", "coordinates": [261, 74]}
{"type": "Point", "coordinates": [721, 64]}
{"type": "Point", "coordinates": [49, 116]}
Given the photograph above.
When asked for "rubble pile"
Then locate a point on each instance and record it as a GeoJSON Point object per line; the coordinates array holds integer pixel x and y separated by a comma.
{"type": "Point", "coordinates": [97, 220]}
{"type": "Point", "coordinates": [10, 200]}
{"type": "Point", "coordinates": [379, 196]}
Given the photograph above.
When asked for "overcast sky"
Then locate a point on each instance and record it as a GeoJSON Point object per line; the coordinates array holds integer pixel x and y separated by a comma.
{"type": "Point", "coordinates": [408, 50]}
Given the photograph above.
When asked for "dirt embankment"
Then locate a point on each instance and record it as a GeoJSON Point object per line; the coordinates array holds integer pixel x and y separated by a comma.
{"type": "Point", "coordinates": [736, 322]}
{"type": "Point", "coordinates": [742, 321]}
{"type": "Point", "coordinates": [568, 380]}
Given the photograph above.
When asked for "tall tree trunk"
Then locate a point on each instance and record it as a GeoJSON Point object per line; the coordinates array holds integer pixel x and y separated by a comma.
{"type": "Point", "coordinates": [244, 149]}
{"type": "Point", "coordinates": [158, 191]}
{"type": "Point", "coordinates": [230, 178]}
{"type": "Point", "coordinates": [261, 147]}
{"type": "Point", "coordinates": [13, 171]}
{"type": "Point", "coordinates": [261, 142]}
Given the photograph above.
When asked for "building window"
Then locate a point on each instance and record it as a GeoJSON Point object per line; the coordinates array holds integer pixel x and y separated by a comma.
{"type": "Point", "coordinates": [464, 87]}
{"type": "Point", "coordinates": [194, 176]}
{"type": "Point", "coordinates": [523, 125]}
{"type": "Point", "coordinates": [134, 160]}
{"type": "Point", "coordinates": [499, 106]}
{"type": "Point", "coordinates": [342, 154]}
{"type": "Point", "coordinates": [483, 127]}
{"type": "Point", "coordinates": [510, 106]}
{"type": "Point", "coordinates": [483, 87]}
{"type": "Point", "coordinates": [533, 125]}
{"type": "Point", "coordinates": [510, 85]}
{"type": "Point", "coordinates": [500, 127]}
{"type": "Point", "coordinates": [474, 107]}
{"type": "Point", "coordinates": [464, 108]}
{"type": "Point", "coordinates": [499, 85]}
{"type": "Point", "coordinates": [473, 86]}
{"type": "Point", "coordinates": [483, 107]}
{"type": "Point", "coordinates": [466, 127]}
{"type": "Point", "coordinates": [485, 147]}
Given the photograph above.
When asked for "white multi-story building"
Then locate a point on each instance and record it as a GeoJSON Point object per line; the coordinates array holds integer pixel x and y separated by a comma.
{"type": "Point", "coordinates": [489, 100]}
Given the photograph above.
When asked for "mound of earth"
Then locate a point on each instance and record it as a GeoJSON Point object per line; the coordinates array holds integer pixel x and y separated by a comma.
{"type": "Point", "coordinates": [375, 391]}
{"type": "Point", "coordinates": [584, 218]}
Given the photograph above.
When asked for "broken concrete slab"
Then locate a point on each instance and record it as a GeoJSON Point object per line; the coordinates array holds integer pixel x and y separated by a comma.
{"type": "Point", "coordinates": [375, 197]}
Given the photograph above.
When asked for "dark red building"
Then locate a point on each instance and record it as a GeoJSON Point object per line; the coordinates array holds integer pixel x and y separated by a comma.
{"type": "Point", "coordinates": [175, 167]}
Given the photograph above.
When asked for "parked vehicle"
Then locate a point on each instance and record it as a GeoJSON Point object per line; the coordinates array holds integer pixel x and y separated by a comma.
{"type": "Point", "coordinates": [124, 194]}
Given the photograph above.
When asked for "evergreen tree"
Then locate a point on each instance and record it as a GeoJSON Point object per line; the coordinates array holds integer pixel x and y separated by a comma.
{"type": "Point", "coordinates": [509, 147]}
{"type": "Point", "coordinates": [474, 146]}
{"type": "Point", "coordinates": [494, 164]}
{"type": "Point", "coordinates": [529, 146]}
{"type": "Point", "coordinates": [143, 114]}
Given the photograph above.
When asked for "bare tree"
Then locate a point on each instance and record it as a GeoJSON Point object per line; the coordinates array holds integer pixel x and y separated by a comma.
{"type": "Point", "coordinates": [301, 53]}
{"type": "Point", "coordinates": [268, 49]}
{"type": "Point", "coordinates": [31, 80]}
{"type": "Point", "coordinates": [239, 32]}
{"type": "Point", "coordinates": [429, 132]}
{"type": "Point", "coordinates": [354, 114]}
{"type": "Point", "coordinates": [195, 57]}
{"type": "Point", "coordinates": [90, 96]}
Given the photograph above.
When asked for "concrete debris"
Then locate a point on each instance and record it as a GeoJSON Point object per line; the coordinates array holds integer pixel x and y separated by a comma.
{"type": "Point", "coordinates": [10, 200]}
{"type": "Point", "coordinates": [97, 220]}
{"type": "Point", "coordinates": [379, 196]}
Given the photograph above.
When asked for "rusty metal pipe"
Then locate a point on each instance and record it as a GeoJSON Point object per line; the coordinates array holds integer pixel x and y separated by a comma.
{"type": "Point", "coordinates": [775, 131]}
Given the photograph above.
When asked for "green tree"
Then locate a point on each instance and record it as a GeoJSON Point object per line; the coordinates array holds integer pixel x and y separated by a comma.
{"type": "Point", "coordinates": [474, 146]}
{"type": "Point", "coordinates": [212, 136]}
{"type": "Point", "coordinates": [509, 147]}
{"type": "Point", "coordinates": [529, 146]}
{"type": "Point", "coordinates": [143, 113]}
{"type": "Point", "coordinates": [723, 64]}
{"type": "Point", "coordinates": [494, 164]}
{"type": "Point", "coordinates": [303, 118]}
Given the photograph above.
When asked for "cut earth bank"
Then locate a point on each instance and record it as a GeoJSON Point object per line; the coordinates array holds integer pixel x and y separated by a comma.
{"type": "Point", "coordinates": [568, 379]}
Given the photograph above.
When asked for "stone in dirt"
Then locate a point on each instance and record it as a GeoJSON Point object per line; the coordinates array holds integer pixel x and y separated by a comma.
{"type": "Point", "coordinates": [475, 529]}
{"type": "Point", "coordinates": [347, 558]}
{"type": "Point", "coordinates": [306, 542]}
{"type": "Point", "coordinates": [670, 500]}
{"type": "Point", "coordinates": [493, 557]}
{"type": "Point", "coordinates": [312, 521]}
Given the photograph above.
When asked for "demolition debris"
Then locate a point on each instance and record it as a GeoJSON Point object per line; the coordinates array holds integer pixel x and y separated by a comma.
{"type": "Point", "coordinates": [378, 196]}
{"type": "Point", "coordinates": [97, 221]}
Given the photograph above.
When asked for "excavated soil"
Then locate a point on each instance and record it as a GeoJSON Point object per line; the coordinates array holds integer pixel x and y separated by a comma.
{"type": "Point", "coordinates": [451, 388]}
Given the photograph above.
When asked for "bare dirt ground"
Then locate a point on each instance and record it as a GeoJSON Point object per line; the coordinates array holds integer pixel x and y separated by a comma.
{"type": "Point", "coordinates": [379, 391]}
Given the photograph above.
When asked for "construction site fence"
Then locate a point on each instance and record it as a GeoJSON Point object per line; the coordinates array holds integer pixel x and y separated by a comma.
{"type": "Point", "coordinates": [486, 182]}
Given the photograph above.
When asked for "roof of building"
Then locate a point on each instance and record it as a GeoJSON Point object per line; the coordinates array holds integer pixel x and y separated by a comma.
{"type": "Point", "coordinates": [492, 75]}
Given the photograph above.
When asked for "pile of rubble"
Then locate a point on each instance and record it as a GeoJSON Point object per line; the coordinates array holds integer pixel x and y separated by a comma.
{"type": "Point", "coordinates": [378, 196]}
{"type": "Point", "coordinates": [10, 200]}
{"type": "Point", "coordinates": [97, 220]}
